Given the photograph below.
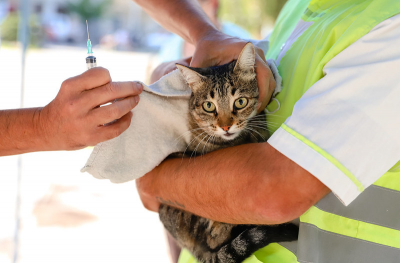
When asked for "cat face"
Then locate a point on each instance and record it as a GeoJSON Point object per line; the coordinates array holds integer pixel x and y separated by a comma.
{"type": "Point", "coordinates": [224, 97]}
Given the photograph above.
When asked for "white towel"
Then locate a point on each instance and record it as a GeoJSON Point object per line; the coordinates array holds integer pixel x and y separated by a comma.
{"type": "Point", "coordinates": [159, 127]}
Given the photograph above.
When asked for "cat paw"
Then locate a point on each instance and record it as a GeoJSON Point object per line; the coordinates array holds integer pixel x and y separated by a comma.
{"type": "Point", "coordinates": [290, 232]}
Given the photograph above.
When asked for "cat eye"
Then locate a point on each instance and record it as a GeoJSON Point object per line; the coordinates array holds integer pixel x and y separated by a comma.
{"type": "Point", "coordinates": [240, 103]}
{"type": "Point", "coordinates": [208, 106]}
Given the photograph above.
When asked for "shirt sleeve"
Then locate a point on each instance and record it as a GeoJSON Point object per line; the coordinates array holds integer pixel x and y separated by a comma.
{"type": "Point", "coordinates": [345, 130]}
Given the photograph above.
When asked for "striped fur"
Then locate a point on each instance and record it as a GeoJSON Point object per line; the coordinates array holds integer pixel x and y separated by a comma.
{"type": "Point", "coordinates": [216, 242]}
{"type": "Point", "coordinates": [210, 241]}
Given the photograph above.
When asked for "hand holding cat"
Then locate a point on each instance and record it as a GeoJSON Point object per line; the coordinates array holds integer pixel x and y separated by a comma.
{"type": "Point", "coordinates": [216, 48]}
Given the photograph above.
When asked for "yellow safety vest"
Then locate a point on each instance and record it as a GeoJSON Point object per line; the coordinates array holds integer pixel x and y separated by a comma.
{"type": "Point", "coordinates": [368, 230]}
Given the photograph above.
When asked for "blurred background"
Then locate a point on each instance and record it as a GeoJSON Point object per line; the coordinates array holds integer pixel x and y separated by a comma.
{"type": "Point", "coordinates": [118, 24]}
{"type": "Point", "coordinates": [49, 211]}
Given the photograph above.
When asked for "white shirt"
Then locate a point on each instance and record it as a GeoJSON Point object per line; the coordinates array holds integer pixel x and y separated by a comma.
{"type": "Point", "coordinates": [352, 114]}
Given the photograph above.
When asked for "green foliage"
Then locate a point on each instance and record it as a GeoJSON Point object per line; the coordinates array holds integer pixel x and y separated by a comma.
{"type": "Point", "coordinates": [9, 29]}
{"type": "Point", "coordinates": [252, 15]}
{"type": "Point", "coordinates": [87, 10]}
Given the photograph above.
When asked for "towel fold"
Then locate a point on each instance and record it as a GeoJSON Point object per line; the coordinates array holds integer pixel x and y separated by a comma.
{"type": "Point", "coordinates": [159, 127]}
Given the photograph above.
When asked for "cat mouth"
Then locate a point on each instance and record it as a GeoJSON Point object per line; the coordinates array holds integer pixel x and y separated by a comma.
{"type": "Point", "coordinates": [229, 136]}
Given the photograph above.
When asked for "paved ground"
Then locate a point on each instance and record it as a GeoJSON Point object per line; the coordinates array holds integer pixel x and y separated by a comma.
{"type": "Point", "coordinates": [68, 216]}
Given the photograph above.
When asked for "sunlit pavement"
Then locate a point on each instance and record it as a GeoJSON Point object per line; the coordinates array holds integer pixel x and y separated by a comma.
{"type": "Point", "coordinates": [67, 216]}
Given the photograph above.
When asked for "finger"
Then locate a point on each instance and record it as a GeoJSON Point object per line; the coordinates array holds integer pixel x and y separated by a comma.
{"type": "Point", "coordinates": [162, 70]}
{"type": "Point", "coordinates": [108, 132]}
{"type": "Point", "coordinates": [172, 65]}
{"type": "Point", "coordinates": [186, 61]}
{"type": "Point", "coordinates": [266, 83]}
{"type": "Point", "coordinates": [116, 110]}
{"type": "Point", "coordinates": [110, 92]}
{"type": "Point", "coordinates": [167, 67]}
{"type": "Point", "coordinates": [260, 52]}
{"type": "Point", "coordinates": [90, 79]}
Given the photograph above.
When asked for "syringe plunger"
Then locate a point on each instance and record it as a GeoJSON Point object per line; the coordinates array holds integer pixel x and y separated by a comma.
{"type": "Point", "coordinates": [91, 62]}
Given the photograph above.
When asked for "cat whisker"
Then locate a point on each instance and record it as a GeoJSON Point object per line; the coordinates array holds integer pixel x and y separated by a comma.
{"type": "Point", "coordinates": [206, 144]}
{"type": "Point", "coordinates": [265, 123]}
{"type": "Point", "coordinates": [261, 120]}
{"type": "Point", "coordinates": [202, 152]}
{"type": "Point", "coordinates": [273, 122]}
{"type": "Point", "coordinates": [191, 131]}
{"type": "Point", "coordinates": [258, 117]}
{"type": "Point", "coordinates": [258, 127]}
{"type": "Point", "coordinates": [274, 115]}
{"type": "Point", "coordinates": [196, 137]}
{"type": "Point", "coordinates": [277, 125]}
{"type": "Point", "coordinates": [262, 124]}
{"type": "Point", "coordinates": [257, 122]}
{"type": "Point", "coordinates": [191, 143]}
{"type": "Point", "coordinates": [214, 137]}
{"type": "Point", "coordinates": [250, 132]}
{"type": "Point", "coordinates": [255, 132]}
{"type": "Point", "coordinates": [195, 149]}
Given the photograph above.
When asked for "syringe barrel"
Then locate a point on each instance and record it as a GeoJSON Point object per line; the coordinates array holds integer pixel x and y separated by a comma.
{"type": "Point", "coordinates": [91, 62]}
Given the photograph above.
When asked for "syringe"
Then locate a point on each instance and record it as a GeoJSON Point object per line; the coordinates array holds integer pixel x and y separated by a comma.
{"type": "Point", "coordinates": [90, 60]}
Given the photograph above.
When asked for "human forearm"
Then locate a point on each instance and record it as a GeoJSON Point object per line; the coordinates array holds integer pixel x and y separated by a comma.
{"type": "Point", "coordinates": [21, 131]}
{"type": "Point", "coordinates": [248, 184]}
{"type": "Point", "coordinates": [182, 17]}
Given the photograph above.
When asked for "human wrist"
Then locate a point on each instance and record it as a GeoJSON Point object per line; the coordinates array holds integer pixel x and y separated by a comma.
{"type": "Point", "coordinates": [204, 33]}
{"type": "Point", "coordinates": [44, 130]}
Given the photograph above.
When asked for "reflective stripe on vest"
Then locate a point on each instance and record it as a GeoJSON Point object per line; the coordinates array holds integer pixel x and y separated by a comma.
{"type": "Point", "coordinates": [368, 230]}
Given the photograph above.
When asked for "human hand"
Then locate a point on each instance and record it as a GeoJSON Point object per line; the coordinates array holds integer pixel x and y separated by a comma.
{"type": "Point", "coordinates": [74, 119]}
{"type": "Point", "coordinates": [216, 48]}
{"type": "Point", "coordinates": [167, 67]}
{"type": "Point", "coordinates": [144, 187]}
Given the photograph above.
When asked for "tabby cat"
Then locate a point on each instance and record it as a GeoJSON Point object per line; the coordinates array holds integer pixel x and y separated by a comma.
{"type": "Point", "coordinates": [223, 112]}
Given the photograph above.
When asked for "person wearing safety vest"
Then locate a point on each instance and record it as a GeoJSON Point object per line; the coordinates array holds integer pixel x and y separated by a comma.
{"type": "Point", "coordinates": [334, 155]}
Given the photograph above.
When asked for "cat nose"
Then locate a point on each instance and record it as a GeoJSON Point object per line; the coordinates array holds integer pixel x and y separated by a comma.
{"type": "Point", "coordinates": [226, 128]}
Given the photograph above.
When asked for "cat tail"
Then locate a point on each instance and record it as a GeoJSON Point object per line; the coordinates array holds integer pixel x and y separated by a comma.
{"type": "Point", "coordinates": [252, 239]}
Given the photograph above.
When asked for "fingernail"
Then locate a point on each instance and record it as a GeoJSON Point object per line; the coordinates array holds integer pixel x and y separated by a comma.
{"type": "Point", "coordinates": [136, 99]}
{"type": "Point", "coordinates": [258, 105]}
{"type": "Point", "coordinates": [139, 86]}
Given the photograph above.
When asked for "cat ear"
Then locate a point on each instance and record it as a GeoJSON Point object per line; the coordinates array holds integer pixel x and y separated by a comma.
{"type": "Point", "coordinates": [192, 78]}
{"type": "Point", "coordinates": [245, 62]}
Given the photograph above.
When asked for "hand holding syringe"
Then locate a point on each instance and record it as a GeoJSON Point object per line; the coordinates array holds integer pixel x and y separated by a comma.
{"type": "Point", "coordinates": [92, 63]}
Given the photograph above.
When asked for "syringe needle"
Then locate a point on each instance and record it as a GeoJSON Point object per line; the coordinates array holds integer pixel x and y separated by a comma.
{"type": "Point", "coordinates": [87, 27]}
